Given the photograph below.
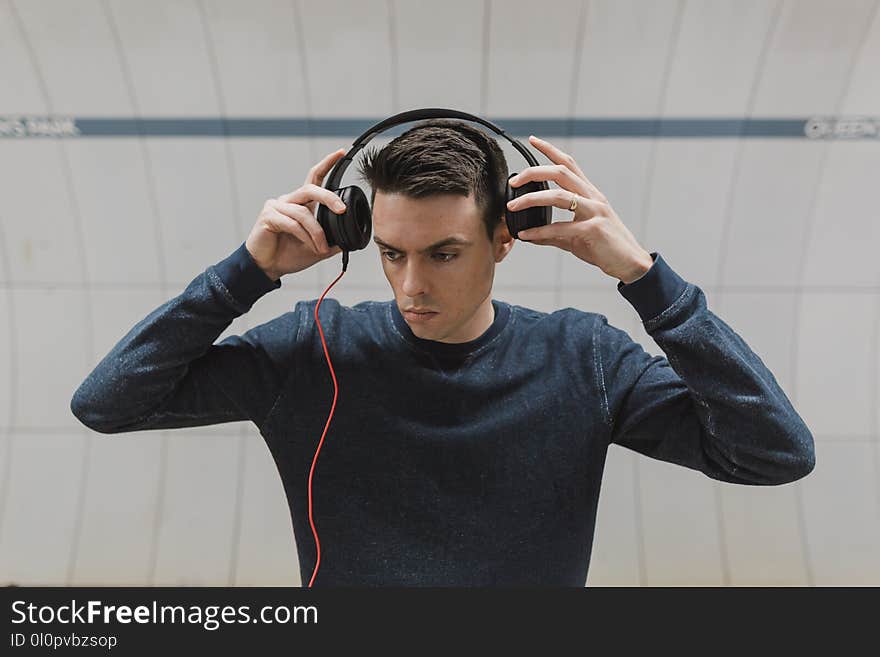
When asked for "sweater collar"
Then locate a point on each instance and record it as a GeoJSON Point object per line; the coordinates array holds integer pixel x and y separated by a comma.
{"type": "Point", "coordinates": [451, 349]}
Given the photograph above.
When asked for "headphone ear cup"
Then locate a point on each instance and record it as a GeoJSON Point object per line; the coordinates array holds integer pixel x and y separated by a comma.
{"type": "Point", "coordinates": [350, 230]}
{"type": "Point", "coordinates": [530, 217]}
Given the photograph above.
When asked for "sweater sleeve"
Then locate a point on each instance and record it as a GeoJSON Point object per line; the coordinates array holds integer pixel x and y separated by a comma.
{"type": "Point", "coordinates": [167, 373]}
{"type": "Point", "coordinates": [711, 404]}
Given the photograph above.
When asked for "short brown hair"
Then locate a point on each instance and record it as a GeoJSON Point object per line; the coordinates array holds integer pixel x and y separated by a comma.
{"type": "Point", "coordinates": [441, 156]}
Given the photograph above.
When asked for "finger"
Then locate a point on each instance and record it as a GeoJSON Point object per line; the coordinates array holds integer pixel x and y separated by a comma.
{"type": "Point", "coordinates": [558, 198]}
{"type": "Point", "coordinates": [557, 156]}
{"type": "Point", "coordinates": [560, 233]}
{"type": "Point", "coordinates": [307, 220]}
{"type": "Point", "coordinates": [311, 192]}
{"type": "Point", "coordinates": [281, 223]}
{"type": "Point", "coordinates": [318, 172]}
{"type": "Point", "coordinates": [561, 175]}
{"type": "Point", "coordinates": [549, 235]}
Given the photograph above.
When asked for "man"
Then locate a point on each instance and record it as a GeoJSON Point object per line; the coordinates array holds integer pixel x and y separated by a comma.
{"type": "Point", "coordinates": [469, 438]}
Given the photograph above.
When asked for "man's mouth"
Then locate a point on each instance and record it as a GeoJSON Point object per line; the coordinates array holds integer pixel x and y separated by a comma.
{"type": "Point", "coordinates": [419, 315]}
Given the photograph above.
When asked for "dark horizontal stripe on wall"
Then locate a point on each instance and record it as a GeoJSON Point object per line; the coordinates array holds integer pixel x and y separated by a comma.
{"type": "Point", "coordinates": [503, 288]}
{"type": "Point", "coordinates": [791, 128]}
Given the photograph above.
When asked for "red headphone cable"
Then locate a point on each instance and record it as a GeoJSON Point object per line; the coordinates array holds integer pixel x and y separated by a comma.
{"type": "Point", "coordinates": [327, 425]}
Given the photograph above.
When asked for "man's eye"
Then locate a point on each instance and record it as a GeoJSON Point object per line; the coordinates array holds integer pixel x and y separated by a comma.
{"type": "Point", "coordinates": [391, 256]}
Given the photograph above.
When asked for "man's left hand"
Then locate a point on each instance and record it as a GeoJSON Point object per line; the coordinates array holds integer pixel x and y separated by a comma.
{"type": "Point", "coordinates": [595, 234]}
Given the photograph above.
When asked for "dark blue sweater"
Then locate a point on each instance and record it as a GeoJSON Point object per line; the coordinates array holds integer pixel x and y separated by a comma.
{"type": "Point", "coordinates": [472, 464]}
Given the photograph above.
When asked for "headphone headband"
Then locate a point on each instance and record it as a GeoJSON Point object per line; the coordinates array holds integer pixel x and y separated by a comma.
{"type": "Point", "coordinates": [351, 229]}
{"type": "Point", "coordinates": [335, 178]}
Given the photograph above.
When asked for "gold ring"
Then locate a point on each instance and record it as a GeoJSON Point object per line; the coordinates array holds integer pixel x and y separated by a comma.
{"type": "Point", "coordinates": [574, 202]}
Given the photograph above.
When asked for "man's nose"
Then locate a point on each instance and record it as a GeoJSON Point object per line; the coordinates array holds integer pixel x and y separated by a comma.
{"type": "Point", "coordinates": [414, 280]}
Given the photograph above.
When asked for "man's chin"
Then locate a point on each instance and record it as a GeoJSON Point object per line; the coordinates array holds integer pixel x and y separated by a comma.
{"type": "Point", "coordinates": [419, 328]}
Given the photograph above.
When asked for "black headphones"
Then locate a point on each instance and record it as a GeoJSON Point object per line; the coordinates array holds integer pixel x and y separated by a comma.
{"type": "Point", "coordinates": [351, 229]}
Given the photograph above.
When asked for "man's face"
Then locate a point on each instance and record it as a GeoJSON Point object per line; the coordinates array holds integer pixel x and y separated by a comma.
{"type": "Point", "coordinates": [453, 280]}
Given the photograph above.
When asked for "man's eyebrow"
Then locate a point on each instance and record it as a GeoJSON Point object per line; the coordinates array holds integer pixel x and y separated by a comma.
{"type": "Point", "coordinates": [449, 241]}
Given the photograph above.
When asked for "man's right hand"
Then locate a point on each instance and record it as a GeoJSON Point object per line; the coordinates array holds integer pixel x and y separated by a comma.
{"type": "Point", "coordinates": [287, 237]}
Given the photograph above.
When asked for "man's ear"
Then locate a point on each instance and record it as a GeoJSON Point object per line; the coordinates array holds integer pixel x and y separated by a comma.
{"type": "Point", "coordinates": [503, 241]}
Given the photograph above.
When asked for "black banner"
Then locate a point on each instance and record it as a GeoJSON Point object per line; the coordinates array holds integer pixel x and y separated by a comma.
{"type": "Point", "coordinates": [123, 621]}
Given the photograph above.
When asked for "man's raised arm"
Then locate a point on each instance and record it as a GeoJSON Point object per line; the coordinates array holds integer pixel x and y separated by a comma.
{"type": "Point", "coordinates": [167, 373]}
{"type": "Point", "coordinates": [711, 404]}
